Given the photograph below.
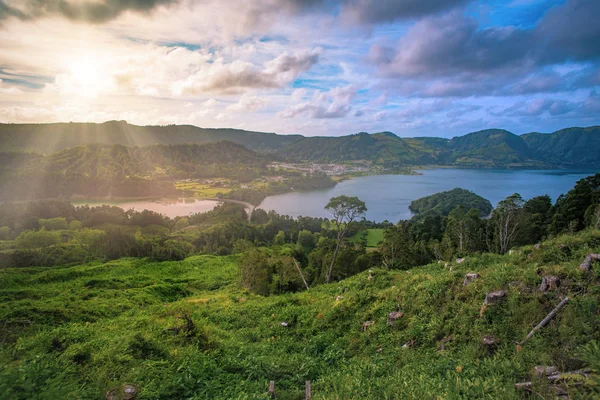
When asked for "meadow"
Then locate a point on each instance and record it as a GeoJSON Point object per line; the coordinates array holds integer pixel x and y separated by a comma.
{"type": "Point", "coordinates": [186, 330]}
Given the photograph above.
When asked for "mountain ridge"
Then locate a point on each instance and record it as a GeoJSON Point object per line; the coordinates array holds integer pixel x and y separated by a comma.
{"type": "Point", "coordinates": [489, 148]}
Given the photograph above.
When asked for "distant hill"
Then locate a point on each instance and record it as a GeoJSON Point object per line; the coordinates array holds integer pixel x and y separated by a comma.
{"type": "Point", "coordinates": [50, 138]}
{"type": "Point", "coordinates": [492, 148]}
{"type": "Point", "coordinates": [566, 147]}
{"type": "Point", "coordinates": [122, 171]}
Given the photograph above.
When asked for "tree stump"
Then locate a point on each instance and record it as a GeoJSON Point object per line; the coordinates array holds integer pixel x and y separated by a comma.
{"type": "Point", "coordinates": [492, 298]}
{"type": "Point", "coordinates": [393, 316]}
{"type": "Point", "coordinates": [366, 325]}
{"type": "Point", "coordinates": [469, 278]}
{"type": "Point", "coordinates": [549, 283]}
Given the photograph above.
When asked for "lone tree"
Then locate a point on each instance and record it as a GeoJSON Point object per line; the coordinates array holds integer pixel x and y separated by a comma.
{"type": "Point", "coordinates": [506, 219]}
{"type": "Point", "coordinates": [346, 210]}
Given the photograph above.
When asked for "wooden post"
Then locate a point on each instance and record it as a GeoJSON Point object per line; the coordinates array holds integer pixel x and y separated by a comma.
{"type": "Point", "coordinates": [272, 389]}
{"type": "Point", "coordinates": [307, 390]}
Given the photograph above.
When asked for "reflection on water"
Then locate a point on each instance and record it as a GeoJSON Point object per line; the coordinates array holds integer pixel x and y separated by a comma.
{"type": "Point", "coordinates": [388, 196]}
{"type": "Point", "coordinates": [169, 207]}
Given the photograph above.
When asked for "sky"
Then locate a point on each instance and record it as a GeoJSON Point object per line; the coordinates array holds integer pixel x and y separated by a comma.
{"type": "Point", "coordinates": [314, 67]}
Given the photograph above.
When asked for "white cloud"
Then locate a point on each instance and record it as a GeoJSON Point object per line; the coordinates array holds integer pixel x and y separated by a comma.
{"type": "Point", "coordinates": [335, 103]}
{"type": "Point", "coordinates": [248, 104]}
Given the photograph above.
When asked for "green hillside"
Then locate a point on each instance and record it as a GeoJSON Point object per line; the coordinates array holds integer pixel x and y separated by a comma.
{"type": "Point", "coordinates": [184, 329]}
{"type": "Point", "coordinates": [50, 138]}
{"type": "Point", "coordinates": [444, 202]}
{"type": "Point", "coordinates": [492, 148]}
{"type": "Point", "coordinates": [567, 147]}
{"type": "Point", "coordinates": [100, 170]}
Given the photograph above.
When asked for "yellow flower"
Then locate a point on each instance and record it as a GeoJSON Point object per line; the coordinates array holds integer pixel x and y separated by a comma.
{"type": "Point", "coordinates": [459, 368]}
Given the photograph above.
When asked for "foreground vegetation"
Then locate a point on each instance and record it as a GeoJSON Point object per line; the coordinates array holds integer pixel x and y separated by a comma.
{"type": "Point", "coordinates": [215, 305]}
{"type": "Point", "coordinates": [186, 330]}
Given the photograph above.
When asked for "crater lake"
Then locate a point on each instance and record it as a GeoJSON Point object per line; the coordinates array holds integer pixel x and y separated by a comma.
{"type": "Point", "coordinates": [388, 196]}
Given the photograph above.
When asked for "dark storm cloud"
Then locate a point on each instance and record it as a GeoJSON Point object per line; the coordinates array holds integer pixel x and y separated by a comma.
{"type": "Point", "coordinates": [453, 44]}
{"type": "Point", "coordinates": [354, 11]}
{"type": "Point", "coordinates": [87, 11]}
{"type": "Point", "coordinates": [376, 11]}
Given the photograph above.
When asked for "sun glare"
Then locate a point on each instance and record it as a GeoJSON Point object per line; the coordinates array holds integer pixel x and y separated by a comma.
{"type": "Point", "coordinates": [86, 76]}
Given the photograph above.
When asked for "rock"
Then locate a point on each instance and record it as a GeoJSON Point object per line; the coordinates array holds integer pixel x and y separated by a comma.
{"type": "Point", "coordinates": [113, 394]}
{"type": "Point", "coordinates": [393, 316]}
{"type": "Point", "coordinates": [494, 297]}
{"type": "Point", "coordinates": [444, 341]}
{"type": "Point", "coordinates": [586, 266]}
{"type": "Point", "coordinates": [470, 277]}
{"type": "Point", "coordinates": [489, 341]}
{"type": "Point", "coordinates": [544, 370]}
{"type": "Point", "coordinates": [366, 325]}
{"type": "Point", "coordinates": [129, 392]}
{"type": "Point", "coordinates": [549, 283]}
{"type": "Point", "coordinates": [460, 260]}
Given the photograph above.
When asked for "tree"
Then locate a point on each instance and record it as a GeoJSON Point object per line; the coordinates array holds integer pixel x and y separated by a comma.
{"type": "Point", "coordinates": [306, 240]}
{"type": "Point", "coordinates": [346, 210]}
{"type": "Point", "coordinates": [506, 218]}
{"type": "Point", "coordinates": [181, 223]}
{"type": "Point", "coordinates": [37, 239]}
{"type": "Point", "coordinates": [457, 228]}
{"type": "Point", "coordinates": [279, 239]}
{"type": "Point", "coordinates": [396, 248]}
{"type": "Point", "coordinates": [255, 270]}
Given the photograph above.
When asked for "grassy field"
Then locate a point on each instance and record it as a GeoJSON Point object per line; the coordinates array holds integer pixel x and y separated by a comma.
{"type": "Point", "coordinates": [371, 237]}
{"type": "Point", "coordinates": [201, 190]}
{"type": "Point", "coordinates": [184, 330]}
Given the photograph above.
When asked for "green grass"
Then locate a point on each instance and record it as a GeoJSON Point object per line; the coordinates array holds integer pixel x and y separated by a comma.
{"type": "Point", "coordinates": [76, 332]}
{"type": "Point", "coordinates": [201, 190]}
{"type": "Point", "coordinates": [371, 237]}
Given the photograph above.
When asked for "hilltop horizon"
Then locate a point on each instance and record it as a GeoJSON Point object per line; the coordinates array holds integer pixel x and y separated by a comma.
{"type": "Point", "coordinates": [229, 128]}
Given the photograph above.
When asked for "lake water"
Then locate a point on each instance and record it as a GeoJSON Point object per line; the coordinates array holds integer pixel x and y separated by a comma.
{"type": "Point", "coordinates": [169, 207]}
{"type": "Point", "coordinates": [387, 196]}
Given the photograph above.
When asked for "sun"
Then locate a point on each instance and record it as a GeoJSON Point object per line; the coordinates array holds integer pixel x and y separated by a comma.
{"type": "Point", "coordinates": [84, 71]}
{"type": "Point", "coordinates": [86, 76]}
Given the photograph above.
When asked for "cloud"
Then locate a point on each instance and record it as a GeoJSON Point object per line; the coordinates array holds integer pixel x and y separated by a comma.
{"type": "Point", "coordinates": [248, 104]}
{"type": "Point", "coordinates": [377, 11]}
{"type": "Point", "coordinates": [538, 107]}
{"type": "Point", "coordinates": [93, 11]}
{"type": "Point", "coordinates": [454, 44]}
{"type": "Point", "coordinates": [335, 103]}
{"type": "Point", "coordinates": [9, 89]}
{"type": "Point", "coordinates": [238, 76]}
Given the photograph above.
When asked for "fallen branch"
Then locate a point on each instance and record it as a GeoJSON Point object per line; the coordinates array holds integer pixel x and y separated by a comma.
{"type": "Point", "coordinates": [300, 272]}
{"type": "Point", "coordinates": [545, 320]}
{"type": "Point", "coordinates": [587, 264]}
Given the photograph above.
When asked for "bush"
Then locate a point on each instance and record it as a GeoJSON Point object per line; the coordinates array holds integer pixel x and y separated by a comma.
{"type": "Point", "coordinates": [38, 239]}
{"type": "Point", "coordinates": [171, 250]}
{"type": "Point", "coordinates": [53, 224]}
